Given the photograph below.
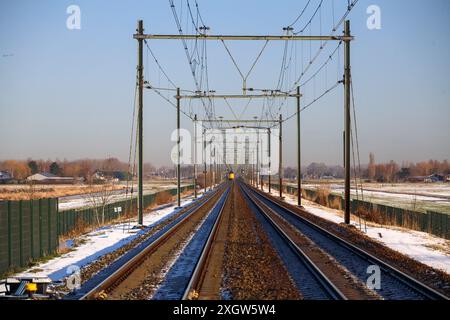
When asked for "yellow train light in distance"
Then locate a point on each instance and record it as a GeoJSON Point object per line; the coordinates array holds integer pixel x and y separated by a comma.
{"type": "Point", "coordinates": [31, 287]}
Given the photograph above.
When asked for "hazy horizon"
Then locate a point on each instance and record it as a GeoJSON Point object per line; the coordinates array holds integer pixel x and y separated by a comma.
{"type": "Point", "coordinates": [69, 93]}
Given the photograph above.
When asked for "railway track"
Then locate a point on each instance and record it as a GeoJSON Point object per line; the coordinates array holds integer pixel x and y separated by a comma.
{"type": "Point", "coordinates": [318, 282]}
{"type": "Point", "coordinates": [104, 284]}
{"type": "Point", "coordinates": [206, 278]}
{"type": "Point", "coordinates": [395, 284]}
{"type": "Point", "coordinates": [184, 272]}
{"type": "Point", "coordinates": [191, 250]}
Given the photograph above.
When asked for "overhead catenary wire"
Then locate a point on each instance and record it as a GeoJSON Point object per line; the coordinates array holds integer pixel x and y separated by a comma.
{"type": "Point", "coordinates": [330, 89]}
{"type": "Point", "coordinates": [285, 65]}
{"type": "Point", "coordinates": [350, 6]}
{"type": "Point", "coordinates": [244, 78]}
{"type": "Point", "coordinates": [300, 15]}
{"type": "Point", "coordinates": [308, 24]}
{"type": "Point", "coordinates": [192, 65]}
{"type": "Point", "coordinates": [159, 65]}
{"type": "Point", "coordinates": [355, 124]}
{"type": "Point", "coordinates": [130, 167]}
{"type": "Point", "coordinates": [158, 92]}
{"type": "Point", "coordinates": [323, 45]}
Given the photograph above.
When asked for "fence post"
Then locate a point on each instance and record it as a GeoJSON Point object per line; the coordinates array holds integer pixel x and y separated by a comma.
{"type": "Point", "coordinates": [49, 223]}
{"type": "Point", "coordinates": [58, 227]}
{"type": "Point", "coordinates": [21, 232]}
{"type": "Point", "coordinates": [9, 235]}
{"type": "Point", "coordinates": [31, 229]}
{"type": "Point", "coordinates": [41, 249]}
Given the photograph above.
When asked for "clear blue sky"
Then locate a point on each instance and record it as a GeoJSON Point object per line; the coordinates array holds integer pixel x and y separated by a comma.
{"type": "Point", "coordinates": [69, 93]}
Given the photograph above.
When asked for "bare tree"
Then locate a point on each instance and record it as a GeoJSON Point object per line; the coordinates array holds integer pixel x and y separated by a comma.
{"type": "Point", "coordinates": [31, 189]}
{"type": "Point", "coordinates": [371, 170]}
{"type": "Point", "coordinates": [99, 198]}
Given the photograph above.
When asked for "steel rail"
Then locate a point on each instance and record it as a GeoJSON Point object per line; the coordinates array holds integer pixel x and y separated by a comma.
{"type": "Point", "coordinates": [128, 267]}
{"type": "Point", "coordinates": [402, 277]}
{"type": "Point", "coordinates": [330, 289]}
{"type": "Point", "coordinates": [200, 268]}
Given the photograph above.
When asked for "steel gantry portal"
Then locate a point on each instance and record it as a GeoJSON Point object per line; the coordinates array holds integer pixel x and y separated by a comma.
{"type": "Point", "coordinates": [346, 38]}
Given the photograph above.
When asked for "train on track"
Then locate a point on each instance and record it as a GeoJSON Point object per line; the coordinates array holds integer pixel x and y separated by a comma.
{"type": "Point", "coordinates": [231, 175]}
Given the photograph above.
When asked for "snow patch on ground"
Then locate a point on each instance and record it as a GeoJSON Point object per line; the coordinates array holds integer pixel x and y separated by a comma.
{"type": "Point", "coordinates": [100, 242]}
{"type": "Point", "coordinates": [416, 197]}
{"type": "Point", "coordinates": [419, 246]}
{"type": "Point", "coordinates": [86, 200]}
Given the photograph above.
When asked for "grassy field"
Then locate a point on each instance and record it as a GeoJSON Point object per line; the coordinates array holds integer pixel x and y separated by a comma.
{"type": "Point", "coordinates": [27, 192]}
{"type": "Point", "coordinates": [38, 191]}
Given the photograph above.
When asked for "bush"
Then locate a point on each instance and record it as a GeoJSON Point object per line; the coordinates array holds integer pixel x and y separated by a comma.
{"type": "Point", "coordinates": [322, 195]}
{"type": "Point", "coordinates": [163, 197]}
{"type": "Point", "coordinates": [369, 215]}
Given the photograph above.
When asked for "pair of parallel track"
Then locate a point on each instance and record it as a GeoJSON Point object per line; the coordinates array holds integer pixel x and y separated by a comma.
{"type": "Point", "coordinates": [99, 286]}
{"type": "Point", "coordinates": [395, 283]}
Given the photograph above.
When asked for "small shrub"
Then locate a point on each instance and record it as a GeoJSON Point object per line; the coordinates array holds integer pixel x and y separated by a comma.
{"type": "Point", "coordinates": [369, 215]}
{"type": "Point", "coordinates": [322, 195]}
{"type": "Point", "coordinates": [163, 197]}
{"type": "Point", "coordinates": [336, 203]}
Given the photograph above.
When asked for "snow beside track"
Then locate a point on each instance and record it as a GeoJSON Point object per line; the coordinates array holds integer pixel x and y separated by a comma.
{"type": "Point", "coordinates": [99, 242]}
{"type": "Point", "coordinates": [86, 200]}
{"type": "Point", "coordinates": [423, 247]}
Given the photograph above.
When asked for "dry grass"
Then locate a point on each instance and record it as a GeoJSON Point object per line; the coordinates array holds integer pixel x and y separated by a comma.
{"type": "Point", "coordinates": [335, 203]}
{"type": "Point", "coordinates": [28, 192]}
{"type": "Point", "coordinates": [322, 195]}
{"type": "Point", "coordinates": [163, 197]}
{"type": "Point", "coordinates": [444, 247]}
{"type": "Point", "coordinates": [369, 215]}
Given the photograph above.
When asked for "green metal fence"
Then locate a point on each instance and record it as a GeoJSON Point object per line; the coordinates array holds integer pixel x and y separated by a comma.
{"type": "Point", "coordinates": [435, 223]}
{"type": "Point", "coordinates": [30, 229]}
{"type": "Point", "coordinates": [73, 218]}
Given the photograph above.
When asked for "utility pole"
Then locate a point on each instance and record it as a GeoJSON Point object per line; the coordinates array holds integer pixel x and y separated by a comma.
{"type": "Point", "coordinates": [253, 167]}
{"type": "Point", "coordinates": [258, 178]}
{"type": "Point", "coordinates": [204, 158]}
{"type": "Point", "coordinates": [269, 152]}
{"type": "Point", "coordinates": [140, 205]}
{"type": "Point", "coordinates": [215, 168]}
{"type": "Point", "coordinates": [261, 180]}
{"type": "Point", "coordinates": [178, 151]}
{"type": "Point", "coordinates": [280, 163]}
{"type": "Point", "coordinates": [195, 156]}
{"type": "Point", "coordinates": [299, 174]}
{"type": "Point", "coordinates": [255, 174]}
{"type": "Point", "coordinates": [211, 173]}
{"type": "Point", "coordinates": [347, 81]}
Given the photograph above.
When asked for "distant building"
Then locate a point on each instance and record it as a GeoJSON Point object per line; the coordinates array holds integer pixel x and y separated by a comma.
{"type": "Point", "coordinates": [111, 176]}
{"type": "Point", "coordinates": [48, 178]}
{"type": "Point", "coordinates": [434, 178]}
{"type": "Point", "coordinates": [429, 179]}
{"type": "Point", "coordinates": [5, 177]}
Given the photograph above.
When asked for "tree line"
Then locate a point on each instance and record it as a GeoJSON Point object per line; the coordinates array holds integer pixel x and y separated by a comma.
{"type": "Point", "coordinates": [85, 168]}
{"type": "Point", "coordinates": [382, 172]}
{"type": "Point", "coordinates": [82, 168]}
